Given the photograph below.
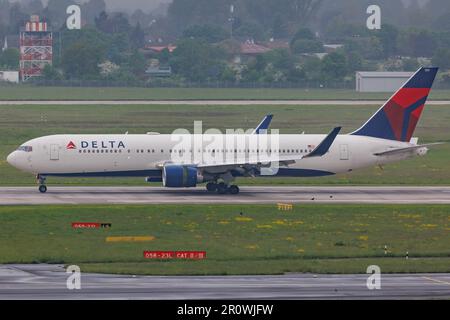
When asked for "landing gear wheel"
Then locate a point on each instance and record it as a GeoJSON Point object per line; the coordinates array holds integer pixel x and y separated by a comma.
{"type": "Point", "coordinates": [211, 187]}
{"type": "Point", "coordinates": [233, 189]}
{"type": "Point", "coordinates": [42, 189]}
{"type": "Point", "coordinates": [222, 188]}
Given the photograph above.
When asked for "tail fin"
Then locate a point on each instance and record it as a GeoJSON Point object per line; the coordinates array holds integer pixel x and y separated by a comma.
{"type": "Point", "coordinates": [398, 117]}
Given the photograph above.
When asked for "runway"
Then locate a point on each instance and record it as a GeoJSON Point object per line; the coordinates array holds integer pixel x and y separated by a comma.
{"type": "Point", "coordinates": [208, 102]}
{"type": "Point", "coordinates": [49, 282]}
{"type": "Point", "coordinates": [248, 195]}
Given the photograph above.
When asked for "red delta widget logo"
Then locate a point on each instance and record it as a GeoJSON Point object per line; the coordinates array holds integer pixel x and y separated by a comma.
{"type": "Point", "coordinates": [97, 145]}
{"type": "Point", "coordinates": [71, 146]}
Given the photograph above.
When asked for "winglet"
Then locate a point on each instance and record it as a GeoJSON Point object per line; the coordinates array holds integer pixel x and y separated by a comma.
{"type": "Point", "coordinates": [264, 125]}
{"type": "Point", "coordinates": [325, 145]}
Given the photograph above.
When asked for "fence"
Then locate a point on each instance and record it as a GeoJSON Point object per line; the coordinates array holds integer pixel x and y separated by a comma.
{"type": "Point", "coordinates": [187, 84]}
{"type": "Point", "coordinates": [347, 85]}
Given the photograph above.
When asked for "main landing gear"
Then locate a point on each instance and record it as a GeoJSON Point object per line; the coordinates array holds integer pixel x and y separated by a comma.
{"type": "Point", "coordinates": [42, 186]}
{"type": "Point", "coordinates": [222, 188]}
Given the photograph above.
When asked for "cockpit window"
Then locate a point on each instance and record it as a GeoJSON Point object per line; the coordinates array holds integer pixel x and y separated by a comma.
{"type": "Point", "coordinates": [25, 148]}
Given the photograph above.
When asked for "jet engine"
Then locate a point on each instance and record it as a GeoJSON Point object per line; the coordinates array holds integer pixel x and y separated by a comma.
{"type": "Point", "coordinates": [178, 176]}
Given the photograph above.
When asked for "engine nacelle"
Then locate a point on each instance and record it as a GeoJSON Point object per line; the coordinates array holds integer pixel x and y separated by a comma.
{"type": "Point", "coordinates": [178, 176]}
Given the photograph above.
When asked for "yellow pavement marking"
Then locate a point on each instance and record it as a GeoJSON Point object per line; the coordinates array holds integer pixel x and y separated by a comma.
{"type": "Point", "coordinates": [130, 239]}
{"type": "Point", "coordinates": [437, 281]}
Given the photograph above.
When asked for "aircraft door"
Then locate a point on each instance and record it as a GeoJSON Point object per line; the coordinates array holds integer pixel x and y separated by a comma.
{"type": "Point", "coordinates": [54, 152]}
{"type": "Point", "coordinates": [344, 152]}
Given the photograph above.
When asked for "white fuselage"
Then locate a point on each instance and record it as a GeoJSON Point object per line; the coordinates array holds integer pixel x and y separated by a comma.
{"type": "Point", "coordinates": [143, 154]}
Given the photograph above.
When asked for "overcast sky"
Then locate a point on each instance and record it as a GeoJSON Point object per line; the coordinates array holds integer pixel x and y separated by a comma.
{"type": "Point", "coordinates": [148, 5]}
{"type": "Point", "coordinates": [131, 5]}
{"type": "Point", "coordinates": [126, 5]}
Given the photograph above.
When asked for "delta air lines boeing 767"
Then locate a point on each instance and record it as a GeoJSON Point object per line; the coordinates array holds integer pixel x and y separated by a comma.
{"type": "Point", "coordinates": [386, 137]}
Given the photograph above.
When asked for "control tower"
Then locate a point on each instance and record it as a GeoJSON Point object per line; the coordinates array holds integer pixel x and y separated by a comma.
{"type": "Point", "coordinates": [36, 48]}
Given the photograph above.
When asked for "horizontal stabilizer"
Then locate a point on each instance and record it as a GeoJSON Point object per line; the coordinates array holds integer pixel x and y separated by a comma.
{"type": "Point", "coordinates": [407, 149]}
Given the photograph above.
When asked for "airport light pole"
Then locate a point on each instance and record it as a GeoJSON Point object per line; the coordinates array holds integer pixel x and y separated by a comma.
{"type": "Point", "coordinates": [231, 20]}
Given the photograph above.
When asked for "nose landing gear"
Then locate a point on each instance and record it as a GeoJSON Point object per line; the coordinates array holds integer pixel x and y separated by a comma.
{"type": "Point", "coordinates": [42, 186]}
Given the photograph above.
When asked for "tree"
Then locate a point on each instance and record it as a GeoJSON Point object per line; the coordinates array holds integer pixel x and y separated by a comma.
{"type": "Point", "coordinates": [17, 17]}
{"type": "Point", "coordinates": [92, 9]}
{"type": "Point", "coordinates": [443, 21]}
{"type": "Point", "coordinates": [410, 64]}
{"type": "Point", "coordinates": [81, 60]}
{"type": "Point", "coordinates": [137, 36]}
{"type": "Point", "coordinates": [417, 43]}
{"type": "Point", "coordinates": [304, 10]}
{"type": "Point", "coordinates": [441, 58]}
{"type": "Point", "coordinates": [137, 63]}
{"type": "Point", "coordinates": [117, 23]}
{"type": "Point", "coordinates": [334, 66]}
{"type": "Point", "coordinates": [164, 56]}
{"type": "Point", "coordinates": [51, 73]}
{"type": "Point", "coordinates": [307, 46]}
{"type": "Point", "coordinates": [355, 61]}
{"type": "Point", "coordinates": [10, 58]}
{"type": "Point", "coordinates": [279, 27]}
{"type": "Point", "coordinates": [206, 32]}
{"type": "Point", "coordinates": [102, 22]}
{"type": "Point", "coordinates": [197, 60]}
{"type": "Point", "coordinates": [388, 36]}
{"type": "Point", "coordinates": [251, 30]}
{"type": "Point", "coordinates": [303, 34]}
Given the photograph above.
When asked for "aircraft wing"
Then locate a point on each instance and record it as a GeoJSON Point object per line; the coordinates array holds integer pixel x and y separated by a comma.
{"type": "Point", "coordinates": [407, 149]}
{"type": "Point", "coordinates": [319, 151]}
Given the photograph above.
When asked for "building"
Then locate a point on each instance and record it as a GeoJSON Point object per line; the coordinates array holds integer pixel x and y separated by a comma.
{"type": "Point", "coordinates": [380, 81]}
{"type": "Point", "coordinates": [250, 48]}
{"type": "Point", "coordinates": [159, 49]}
{"type": "Point", "coordinates": [9, 76]}
{"type": "Point", "coordinates": [159, 71]}
{"type": "Point", "coordinates": [36, 48]}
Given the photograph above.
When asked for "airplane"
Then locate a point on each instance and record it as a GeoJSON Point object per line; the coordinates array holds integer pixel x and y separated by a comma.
{"type": "Point", "coordinates": [385, 138]}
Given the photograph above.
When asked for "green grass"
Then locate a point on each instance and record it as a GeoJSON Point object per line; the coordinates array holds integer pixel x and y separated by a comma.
{"type": "Point", "coordinates": [122, 93]}
{"type": "Point", "coordinates": [21, 123]}
{"type": "Point", "coordinates": [261, 240]}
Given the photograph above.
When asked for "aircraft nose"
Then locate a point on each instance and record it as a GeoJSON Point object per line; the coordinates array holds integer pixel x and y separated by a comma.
{"type": "Point", "coordinates": [11, 158]}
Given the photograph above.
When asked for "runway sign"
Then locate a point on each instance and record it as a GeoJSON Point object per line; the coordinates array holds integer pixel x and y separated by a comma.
{"type": "Point", "coordinates": [130, 239]}
{"type": "Point", "coordinates": [195, 255]}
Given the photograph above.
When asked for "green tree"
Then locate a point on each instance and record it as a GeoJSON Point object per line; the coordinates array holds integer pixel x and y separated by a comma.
{"type": "Point", "coordinates": [417, 43]}
{"type": "Point", "coordinates": [251, 29]}
{"type": "Point", "coordinates": [10, 58]}
{"type": "Point", "coordinates": [137, 63]}
{"type": "Point", "coordinates": [312, 66]}
{"type": "Point", "coordinates": [137, 36]}
{"type": "Point", "coordinates": [410, 64]}
{"type": "Point", "coordinates": [92, 9]}
{"type": "Point", "coordinates": [81, 59]}
{"type": "Point", "coordinates": [334, 66]}
{"type": "Point", "coordinates": [197, 60]}
{"type": "Point", "coordinates": [441, 58]}
{"type": "Point", "coordinates": [388, 36]}
{"type": "Point", "coordinates": [307, 46]}
{"type": "Point", "coordinates": [206, 32]}
{"type": "Point", "coordinates": [51, 73]}
{"type": "Point", "coordinates": [303, 34]}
